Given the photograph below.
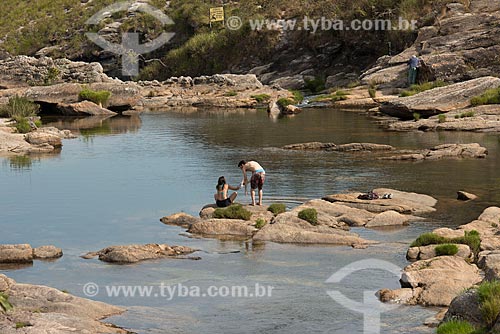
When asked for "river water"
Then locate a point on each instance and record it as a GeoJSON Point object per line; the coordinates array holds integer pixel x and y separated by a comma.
{"type": "Point", "coordinates": [112, 184]}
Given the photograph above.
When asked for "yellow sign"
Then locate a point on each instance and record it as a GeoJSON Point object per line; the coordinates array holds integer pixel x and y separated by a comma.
{"type": "Point", "coordinates": [216, 14]}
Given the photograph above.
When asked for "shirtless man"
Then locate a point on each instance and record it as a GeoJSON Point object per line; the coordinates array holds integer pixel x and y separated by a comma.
{"type": "Point", "coordinates": [257, 179]}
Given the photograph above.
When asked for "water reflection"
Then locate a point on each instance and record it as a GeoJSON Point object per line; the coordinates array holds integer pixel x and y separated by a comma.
{"type": "Point", "coordinates": [96, 125]}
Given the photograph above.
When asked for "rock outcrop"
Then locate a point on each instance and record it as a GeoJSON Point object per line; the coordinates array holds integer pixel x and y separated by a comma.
{"type": "Point", "coordinates": [136, 253]}
{"type": "Point", "coordinates": [43, 140]}
{"type": "Point", "coordinates": [465, 196]}
{"type": "Point", "coordinates": [402, 202]}
{"type": "Point", "coordinates": [439, 100]}
{"type": "Point", "coordinates": [473, 151]}
{"type": "Point", "coordinates": [351, 147]}
{"type": "Point", "coordinates": [24, 253]}
{"type": "Point", "coordinates": [429, 252]}
{"type": "Point", "coordinates": [83, 108]}
{"type": "Point", "coordinates": [41, 309]}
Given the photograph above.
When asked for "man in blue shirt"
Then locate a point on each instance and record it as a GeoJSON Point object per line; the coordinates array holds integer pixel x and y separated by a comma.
{"type": "Point", "coordinates": [413, 65]}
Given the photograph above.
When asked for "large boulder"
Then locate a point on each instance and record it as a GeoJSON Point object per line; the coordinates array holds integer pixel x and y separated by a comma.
{"type": "Point", "coordinates": [223, 227]}
{"type": "Point", "coordinates": [439, 100]}
{"type": "Point", "coordinates": [466, 307]}
{"type": "Point", "coordinates": [391, 218]}
{"type": "Point", "coordinates": [402, 202]}
{"type": "Point", "coordinates": [136, 253]}
{"type": "Point", "coordinates": [22, 253]}
{"type": "Point", "coordinates": [47, 252]}
{"type": "Point", "coordinates": [441, 279]}
{"type": "Point", "coordinates": [429, 252]}
{"type": "Point", "coordinates": [83, 108]}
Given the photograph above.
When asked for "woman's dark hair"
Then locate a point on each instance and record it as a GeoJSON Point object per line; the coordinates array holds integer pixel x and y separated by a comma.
{"type": "Point", "coordinates": [241, 163]}
{"type": "Point", "coordinates": [220, 183]}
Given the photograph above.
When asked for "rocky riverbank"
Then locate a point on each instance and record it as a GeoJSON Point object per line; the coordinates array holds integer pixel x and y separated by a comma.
{"type": "Point", "coordinates": [41, 309]}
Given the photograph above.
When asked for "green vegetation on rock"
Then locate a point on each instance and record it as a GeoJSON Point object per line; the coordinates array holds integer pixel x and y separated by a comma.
{"type": "Point", "coordinates": [235, 211]}
{"type": "Point", "coordinates": [277, 208]}
{"type": "Point", "coordinates": [260, 223]}
{"type": "Point", "coordinates": [19, 107]}
{"type": "Point", "coordinates": [470, 238]}
{"type": "Point", "coordinates": [315, 85]}
{"type": "Point", "coordinates": [416, 116]}
{"type": "Point", "coordinates": [491, 96]}
{"type": "Point", "coordinates": [4, 302]}
{"type": "Point", "coordinates": [309, 215]}
{"type": "Point", "coordinates": [455, 327]}
{"type": "Point", "coordinates": [489, 299]}
{"type": "Point", "coordinates": [442, 118]}
{"type": "Point", "coordinates": [261, 98]}
{"type": "Point", "coordinates": [100, 97]}
{"type": "Point", "coordinates": [231, 93]}
{"type": "Point", "coordinates": [446, 249]}
{"type": "Point", "coordinates": [416, 89]}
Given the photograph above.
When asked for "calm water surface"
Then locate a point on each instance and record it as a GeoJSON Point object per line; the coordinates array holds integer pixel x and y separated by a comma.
{"type": "Point", "coordinates": [112, 184]}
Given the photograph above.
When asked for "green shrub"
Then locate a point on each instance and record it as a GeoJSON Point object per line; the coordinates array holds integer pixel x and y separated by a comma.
{"type": "Point", "coordinates": [22, 125]}
{"type": "Point", "coordinates": [100, 97]}
{"type": "Point", "coordinates": [315, 85]}
{"type": "Point", "coordinates": [466, 114]}
{"type": "Point", "coordinates": [455, 327]}
{"type": "Point", "coordinates": [235, 211]}
{"type": "Point", "coordinates": [441, 118]}
{"type": "Point", "coordinates": [491, 96]}
{"type": "Point", "coordinates": [372, 92]}
{"type": "Point", "coordinates": [309, 215]}
{"type": "Point", "coordinates": [284, 102]}
{"type": "Point", "coordinates": [260, 98]}
{"type": "Point", "coordinates": [4, 302]}
{"type": "Point", "coordinates": [21, 324]}
{"type": "Point", "coordinates": [231, 93]}
{"type": "Point", "coordinates": [470, 238]}
{"type": "Point", "coordinates": [20, 107]}
{"type": "Point", "coordinates": [416, 116]}
{"type": "Point", "coordinates": [416, 89]}
{"type": "Point", "coordinates": [298, 97]}
{"type": "Point", "coordinates": [260, 223]}
{"type": "Point", "coordinates": [276, 209]}
{"type": "Point", "coordinates": [446, 249]}
{"type": "Point", "coordinates": [489, 300]}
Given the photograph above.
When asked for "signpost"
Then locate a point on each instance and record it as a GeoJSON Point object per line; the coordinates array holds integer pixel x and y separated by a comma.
{"type": "Point", "coordinates": [216, 15]}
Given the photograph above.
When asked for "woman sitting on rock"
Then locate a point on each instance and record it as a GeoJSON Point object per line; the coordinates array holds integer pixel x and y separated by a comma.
{"type": "Point", "coordinates": [221, 198]}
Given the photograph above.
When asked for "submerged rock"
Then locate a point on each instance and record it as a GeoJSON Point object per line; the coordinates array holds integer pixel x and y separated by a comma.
{"type": "Point", "coordinates": [180, 219]}
{"type": "Point", "coordinates": [47, 252]}
{"type": "Point", "coordinates": [24, 253]}
{"type": "Point", "coordinates": [136, 253]}
{"type": "Point", "coordinates": [352, 147]}
{"type": "Point", "coordinates": [474, 151]}
{"type": "Point", "coordinates": [465, 196]}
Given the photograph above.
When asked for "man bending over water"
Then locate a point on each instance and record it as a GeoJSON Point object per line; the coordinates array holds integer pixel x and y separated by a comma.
{"type": "Point", "coordinates": [257, 179]}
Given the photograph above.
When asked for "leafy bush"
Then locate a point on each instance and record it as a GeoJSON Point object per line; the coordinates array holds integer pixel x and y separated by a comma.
{"type": "Point", "coordinates": [446, 249]}
{"type": "Point", "coordinates": [276, 209]}
{"type": "Point", "coordinates": [416, 116]}
{"type": "Point", "coordinates": [4, 302]}
{"type": "Point", "coordinates": [441, 118]}
{"type": "Point", "coordinates": [309, 215]}
{"type": "Point", "coordinates": [20, 107]}
{"type": "Point", "coordinates": [489, 299]}
{"type": "Point", "coordinates": [100, 97]}
{"type": "Point", "coordinates": [455, 327]}
{"type": "Point", "coordinates": [491, 96]}
{"type": "Point", "coordinates": [260, 98]}
{"type": "Point", "coordinates": [235, 211]}
{"type": "Point", "coordinates": [260, 223]}
{"type": "Point", "coordinates": [315, 85]}
{"type": "Point", "coordinates": [298, 97]}
{"type": "Point", "coordinates": [284, 102]}
{"type": "Point", "coordinates": [428, 239]}
{"type": "Point", "coordinates": [22, 125]}
{"type": "Point", "coordinates": [416, 89]}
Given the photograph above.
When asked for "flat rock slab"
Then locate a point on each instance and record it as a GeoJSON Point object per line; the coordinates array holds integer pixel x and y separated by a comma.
{"type": "Point", "coordinates": [84, 108]}
{"type": "Point", "coordinates": [391, 218]}
{"type": "Point", "coordinates": [444, 151]}
{"type": "Point", "coordinates": [221, 227]}
{"type": "Point", "coordinates": [48, 310]}
{"type": "Point", "coordinates": [136, 253]}
{"type": "Point", "coordinates": [24, 253]}
{"type": "Point", "coordinates": [402, 202]}
{"type": "Point", "coordinates": [439, 100]}
{"type": "Point", "coordinates": [180, 219]}
{"type": "Point", "coordinates": [352, 147]}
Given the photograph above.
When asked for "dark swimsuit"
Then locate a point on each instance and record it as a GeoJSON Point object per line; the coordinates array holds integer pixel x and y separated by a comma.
{"type": "Point", "coordinates": [224, 203]}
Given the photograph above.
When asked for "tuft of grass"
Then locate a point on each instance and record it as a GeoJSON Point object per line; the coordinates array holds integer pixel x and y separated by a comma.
{"type": "Point", "coordinates": [446, 249]}
{"type": "Point", "coordinates": [489, 299]}
{"type": "Point", "coordinates": [298, 97]}
{"type": "Point", "coordinates": [470, 238]}
{"type": "Point", "coordinates": [22, 125]}
{"type": "Point", "coordinates": [372, 92]}
{"type": "Point", "coordinates": [22, 324]}
{"type": "Point", "coordinates": [416, 116]}
{"type": "Point", "coordinates": [277, 208]}
{"type": "Point", "coordinates": [465, 114]}
{"type": "Point", "coordinates": [100, 97]}
{"type": "Point", "coordinates": [231, 93]}
{"type": "Point", "coordinates": [416, 89]}
{"type": "Point", "coordinates": [4, 302]}
{"type": "Point", "coordinates": [491, 96]}
{"type": "Point", "coordinates": [20, 107]}
{"type": "Point", "coordinates": [235, 211]}
{"type": "Point", "coordinates": [309, 215]}
{"type": "Point", "coordinates": [284, 102]}
{"type": "Point", "coordinates": [442, 118]}
{"type": "Point", "coordinates": [260, 223]}
{"type": "Point", "coordinates": [261, 98]}
{"type": "Point", "coordinates": [455, 327]}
